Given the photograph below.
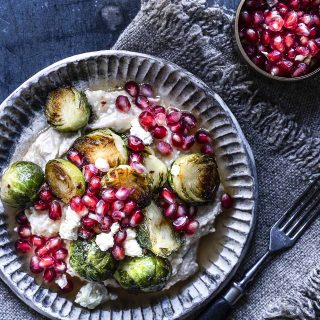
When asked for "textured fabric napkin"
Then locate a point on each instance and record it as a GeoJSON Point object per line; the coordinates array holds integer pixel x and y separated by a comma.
{"type": "Point", "coordinates": [281, 122]}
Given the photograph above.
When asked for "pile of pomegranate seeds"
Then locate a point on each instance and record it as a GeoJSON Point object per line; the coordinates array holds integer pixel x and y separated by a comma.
{"type": "Point", "coordinates": [49, 254]}
{"type": "Point", "coordinates": [181, 214]}
{"type": "Point", "coordinates": [282, 39]}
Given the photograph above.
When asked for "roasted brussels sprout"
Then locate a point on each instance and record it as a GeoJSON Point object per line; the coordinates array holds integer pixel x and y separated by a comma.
{"type": "Point", "coordinates": [20, 184]}
{"type": "Point", "coordinates": [67, 109]}
{"type": "Point", "coordinates": [195, 178]}
{"type": "Point", "coordinates": [104, 144]}
{"type": "Point", "coordinates": [89, 262]}
{"type": "Point", "coordinates": [147, 273]}
{"type": "Point", "coordinates": [157, 234]}
{"type": "Point", "coordinates": [64, 179]}
{"type": "Point", "coordinates": [126, 176]}
{"type": "Point", "coordinates": [157, 170]}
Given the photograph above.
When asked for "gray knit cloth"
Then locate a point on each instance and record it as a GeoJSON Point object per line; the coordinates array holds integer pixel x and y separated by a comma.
{"type": "Point", "coordinates": [281, 122]}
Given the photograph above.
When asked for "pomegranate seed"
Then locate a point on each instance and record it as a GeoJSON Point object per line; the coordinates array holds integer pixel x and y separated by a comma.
{"type": "Point", "coordinates": [60, 254]}
{"type": "Point", "coordinates": [188, 142]}
{"type": "Point", "coordinates": [88, 222]}
{"type": "Point", "coordinates": [189, 120]}
{"type": "Point", "coordinates": [132, 88]}
{"type": "Point", "coordinates": [251, 36]}
{"type": "Point", "coordinates": [173, 116]}
{"type": "Point", "coordinates": [120, 236]}
{"type": "Point", "coordinates": [282, 8]}
{"type": "Point", "coordinates": [108, 194]}
{"type": "Point", "coordinates": [164, 148]}
{"type": "Point", "coordinates": [258, 60]}
{"type": "Point", "coordinates": [178, 127]}
{"type": "Point", "coordinates": [129, 207]}
{"type": "Point", "coordinates": [289, 40]}
{"type": "Point", "coordinates": [68, 288]}
{"type": "Point", "coordinates": [123, 193]}
{"type": "Point", "coordinates": [55, 211]}
{"type": "Point", "coordinates": [85, 234]}
{"type": "Point", "coordinates": [34, 265]}
{"type": "Point", "coordinates": [105, 224]}
{"type": "Point", "coordinates": [265, 37]}
{"type": "Point", "coordinates": [136, 157]}
{"type": "Point", "coordinates": [75, 157]}
{"type": "Point", "coordinates": [21, 218]}
{"type": "Point", "coordinates": [180, 223]}
{"type": "Point", "coordinates": [291, 55]}
{"type": "Point", "coordinates": [314, 49]}
{"type": "Point", "coordinates": [302, 30]}
{"type": "Point", "coordinates": [41, 251]}
{"type": "Point", "coordinates": [294, 4]}
{"type": "Point", "coordinates": [191, 227]}
{"type": "Point", "coordinates": [168, 195]}
{"type": "Point", "coordinates": [161, 119]}
{"type": "Point", "coordinates": [118, 252]}
{"type": "Point", "coordinates": [274, 56]}
{"type": "Point", "coordinates": [291, 20]}
{"type": "Point", "coordinates": [77, 205]}
{"type": "Point", "coordinates": [54, 243]}
{"type": "Point", "coordinates": [192, 211]}
{"type": "Point", "coordinates": [285, 66]}
{"type": "Point", "coordinates": [245, 19]}
{"type": "Point", "coordinates": [95, 183]}
{"type": "Point", "coordinates": [313, 32]}
{"type": "Point", "coordinates": [226, 201]}
{"type": "Point", "coordinates": [177, 140]}
{"type": "Point", "coordinates": [90, 202]}
{"type": "Point", "coordinates": [49, 275]}
{"type": "Point", "coordinates": [276, 71]}
{"type": "Point", "coordinates": [250, 50]}
{"type": "Point", "coordinates": [117, 205]}
{"type": "Point", "coordinates": [203, 136]}
{"type": "Point", "coordinates": [102, 208]}
{"type": "Point", "coordinates": [89, 171]}
{"type": "Point", "coordinates": [146, 90]}
{"type": "Point", "coordinates": [138, 167]}
{"type": "Point", "coordinates": [258, 18]}
{"type": "Point", "coordinates": [60, 267]}
{"type": "Point", "coordinates": [45, 195]}
{"type": "Point", "coordinates": [123, 104]}
{"type": "Point", "coordinates": [277, 43]}
{"type": "Point", "coordinates": [142, 102]}
{"type": "Point", "coordinates": [182, 210]}
{"type": "Point", "coordinates": [170, 212]}
{"type": "Point", "coordinates": [302, 51]}
{"type": "Point", "coordinates": [158, 109]}
{"type": "Point", "coordinates": [307, 19]}
{"type": "Point", "coordinates": [46, 262]}
{"type": "Point", "coordinates": [37, 241]}
{"type": "Point", "coordinates": [23, 245]}
{"type": "Point", "coordinates": [147, 120]}
{"type": "Point", "coordinates": [41, 205]}
{"type": "Point", "coordinates": [274, 21]}
{"type": "Point", "coordinates": [24, 231]}
{"type": "Point", "coordinates": [300, 70]}
{"type": "Point", "coordinates": [125, 223]}
{"type": "Point", "coordinates": [135, 144]}
{"type": "Point", "coordinates": [118, 215]}
{"type": "Point", "coordinates": [207, 149]}
{"type": "Point", "coordinates": [136, 218]}
{"type": "Point", "coordinates": [159, 132]}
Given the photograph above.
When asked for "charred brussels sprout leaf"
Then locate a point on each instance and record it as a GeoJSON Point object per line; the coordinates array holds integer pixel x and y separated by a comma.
{"type": "Point", "coordinates": [157, 170]}
{"type": "Point", "coordinates": [126, 176]}
{"type": "Point", "coordinates": [195, 178]}
{"type": "Point", "coordinates": [89, 262]}
{"type": "Point", "coordinates": [157, 234]}
{"type": "Point", "coordinates": [21, 183]}
{"type": "Point", "coordinates": [64, 179]}
{"type": "Point", "coordinates": [103, 144]}
{"type": "Point", "coordinates": [67, 109]}
{"type": "Point", "coordinates": [147, 273]}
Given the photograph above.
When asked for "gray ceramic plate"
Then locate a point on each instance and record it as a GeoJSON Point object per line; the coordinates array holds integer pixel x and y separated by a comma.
{"type": "Point", "coordinates": [219, 254]}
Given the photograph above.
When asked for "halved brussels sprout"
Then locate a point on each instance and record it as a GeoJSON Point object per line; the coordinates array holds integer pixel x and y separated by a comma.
{"type": "Point", "coordinates": [147, 273]}
{"type": "Point", "coordinates": [21, 183]}
{"type": "Point", "coordinates": [104, 144]}
{"type": "Point", "coordinates": [157, 234]}
{"type": "Point", "coordinates": [89, 262]}
{"type": "Point", "coordinates": [157, 170]}
{"type": "Point", "coordinates": [195, 178]}
{"type": "Point", "coordinates": [64, 179]}
{"type": "Point", "coordinates": [126, 176]}
{"type": "Point", "coordinates": [67, 109]}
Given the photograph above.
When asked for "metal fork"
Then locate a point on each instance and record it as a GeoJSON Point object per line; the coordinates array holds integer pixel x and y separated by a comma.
{"type": "Point", "coordinates": [283, 235]}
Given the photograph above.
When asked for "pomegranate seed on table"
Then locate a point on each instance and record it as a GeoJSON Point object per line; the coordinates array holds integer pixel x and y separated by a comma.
{"type": "Point", "coordinates": [24, 231]}
{"type": "Point", "coordinates": [158, 109]}
{"type": "Point", "coordinates": [140, 168]}
{"type": "Point", "coordinates": [135, 144]}
{"type": "Point", "coordinates": [117, 205]}
{"type": "Point", "coordinates": [123, 193]}
{"type": "Point", "coordinates": [85, 234]}
{"type": "Point", "coordinates": [120, 236]}
{"type": "Point", "coordinates": [41, 251]}
{"type": "Point", "coordinates": [55, 210]}
{"type": "Point", "coordinates": [108, 194]}
{"type": "Point", "coordinates": [132, 88]}
{"type": "Point", "coordinates": [136, 218]}
{"type": "Point", "coordinates": [226, 201]}
{"type": "Point", "coordinates": [34, 265]}
{"type": "Point", "coordinates": [168, 195]}
{"type": "Point", "coordinates": [21, 218]}
{"type": "Point", "coordinates": [49, 275]}
{"type": "Point", "coordinates": [68, 288]}
{"type": "Point", "coordinates": [89, 171]}
{"type": "Point", "coordinates": [102, 208]}
{"type": "Point", "coordinates": [180, 223]}
{"type": "Point", "coordinates": [142, 102]}
{"type": "Point", "coordinates": [41, 205]}
{"type": "Point", "coordinates": [146, 90]}
{"type": "Point", "coordinates": [173, 116]}
{"type": "Point", "coordinates": [23, 245]}
{"type": "Point", "coordinates": [203, 136]}
{"type": "Point", "coordinates": [60, 267]}
{"type": "Point", "coordinates": [90, 202]}
{"type": "Point", "coordinates": [37, 240]}
{"type": "Point", "coordinates": [106, 223]}
{"type": "Point", "coordinates": [147, 120]}
{"type": "Point", "coordinates": [46, 195]}
{"type": "Point", "coordinates": [123, 104]}
{"type": "Point", "coordinates": [164, 148]}
{"type": "Point", "coordinates": [159, 132]}
{"type": "Point", "coordinates": [189, 120]}
{"type": "Point", "coordinates": [129, 207]}
{"type": "Point", "coordinates": [54, 243]}
{"type": "Point", "coordinates": [188, 142]}
{"type": "Point", "coordinates": [171, 210]}
{"type": "Point", "coordinates": [60, 254]}
{"type": "Point", "coordinates": [118, 252]}
{"type": "Point", "coordinates": [207, 149]}
{"type": "Point", "coordinates": [77, 205]}
{"type": "Point", "coordinates": [46, 262]}
{"type": "Point", "coordinates": [191, 227]}
{"type": "Point", "coordinates": [88, 222]}
{"type": "Point", "coordinates": [75, 157]}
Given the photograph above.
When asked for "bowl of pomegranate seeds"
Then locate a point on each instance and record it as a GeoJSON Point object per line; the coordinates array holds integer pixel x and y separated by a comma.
{"type": "Point", "coordinates": [126, 184]}
{"type": "Point", "coordinates": [280, 39]}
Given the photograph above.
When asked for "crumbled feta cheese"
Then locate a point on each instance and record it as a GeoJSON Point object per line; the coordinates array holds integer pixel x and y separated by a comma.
{"type": "Point", "coordinates": [105, 241]}
{"type": "Point", "coordinates": [131, 245]}
{"type": "Point", "coordinates": [41, 224]}
{"type": "Point", "coordinates": [91, 295]}
{"type": "Point", "coordinates": [115, 227]}
{"type": "Point", "coordinates": [102, 164]}
{"type": "Point", "coordinates": [70, 225]}
{"type": "Point", "coordinates": [61, 281]}
{"type": "Point", "coordinates": [131, 234]}
{"type": "Point", "coordinates": [138, 131]}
